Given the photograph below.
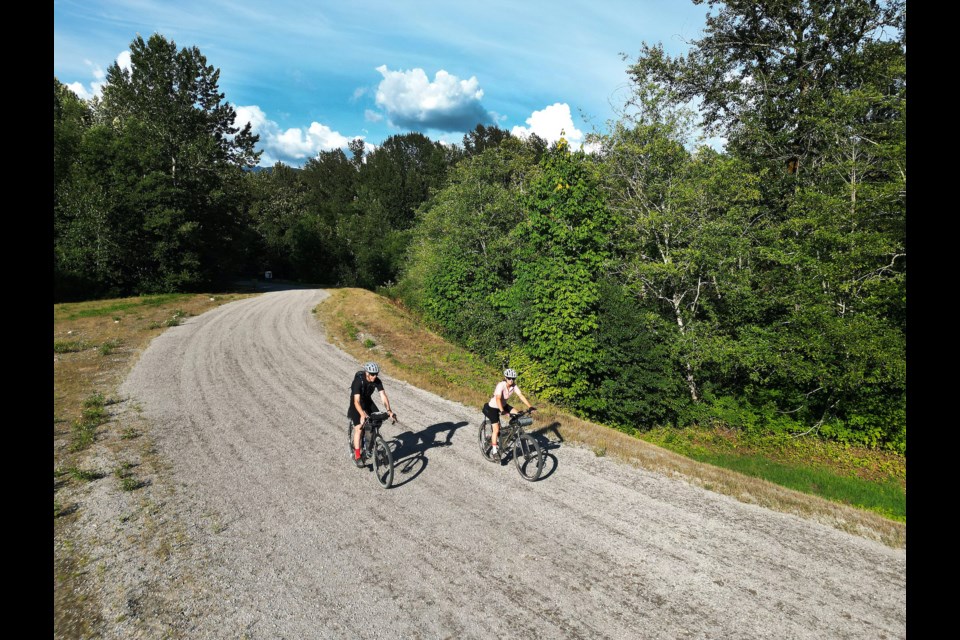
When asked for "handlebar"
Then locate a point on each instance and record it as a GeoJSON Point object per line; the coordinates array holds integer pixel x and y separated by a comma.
{"type": "Point", "coordinates": [522, 414]}
{"type": "Point", "coordinates": [381, 416]}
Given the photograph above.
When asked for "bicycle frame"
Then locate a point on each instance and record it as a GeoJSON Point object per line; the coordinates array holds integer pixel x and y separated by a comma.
{"type": "Point", "coordinates": [370, 429]}
{"type": "Point", "coordinates": [514, 441]}
{"type": "Point", "coordinates": [374, 448]}
{"type": "Point", "coordinates": [514, 428]}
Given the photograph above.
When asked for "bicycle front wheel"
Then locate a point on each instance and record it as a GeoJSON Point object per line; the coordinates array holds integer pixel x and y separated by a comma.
{"type": "Point", "coordinates": [382, 462]}
{"type": "Point", "coordinates": [528, 457]}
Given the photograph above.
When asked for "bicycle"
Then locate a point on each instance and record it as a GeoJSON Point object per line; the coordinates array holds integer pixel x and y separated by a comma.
{"type": "Point", "coordinates": [373, 447]}
{"type": "Point", "coordinates": [527, 454]}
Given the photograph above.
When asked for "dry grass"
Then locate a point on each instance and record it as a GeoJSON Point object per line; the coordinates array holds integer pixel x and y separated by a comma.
{"type": "Point", "coordinates": [371, 327]}
{"type": "Point", "coordinates": [96, 344]}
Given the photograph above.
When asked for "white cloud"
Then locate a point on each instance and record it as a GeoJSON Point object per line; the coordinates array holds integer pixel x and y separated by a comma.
{"type": "Point", "coordinates": [550, 124]}
{"type": "Point", "coordinates": [292, 146]}
{"type": "Point", "coordinates": [447, 103]}
{"type": "Point", "coordinates": [252, 114]}
{"type": "Point", "coordinates": [81, 90]}
{"type": "Point", "coordinates": [372, 116]}
{"type": "Point", "coordinates": [95, 88]}
{"type": "Point", "coordinates": [123, 61]}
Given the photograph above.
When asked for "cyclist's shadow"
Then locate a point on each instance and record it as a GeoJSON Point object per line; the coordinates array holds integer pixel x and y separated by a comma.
{"type": "Point", "coordinates": [409, 459]}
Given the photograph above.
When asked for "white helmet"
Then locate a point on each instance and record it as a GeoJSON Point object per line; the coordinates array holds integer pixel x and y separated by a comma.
{"type": "Point", "coordinates": [510, 373]}
{"type": "Point", "coordinates": [372, 368]}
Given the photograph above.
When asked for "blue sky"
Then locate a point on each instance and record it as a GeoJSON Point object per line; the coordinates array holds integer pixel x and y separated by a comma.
{"type": "Point", "coordinates": [313, 75]}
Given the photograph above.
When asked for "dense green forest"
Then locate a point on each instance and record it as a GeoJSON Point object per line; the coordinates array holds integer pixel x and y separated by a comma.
{"type": "Point", "coordinates": [649, 281]}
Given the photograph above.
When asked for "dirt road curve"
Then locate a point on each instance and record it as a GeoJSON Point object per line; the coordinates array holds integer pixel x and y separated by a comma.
{"type": "Point", "coordinates": [287, 539]}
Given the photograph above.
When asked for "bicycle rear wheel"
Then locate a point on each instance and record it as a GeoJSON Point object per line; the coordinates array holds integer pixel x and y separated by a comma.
{"type": "Point", "coordinates": [382, 462]}
{"type": "Point", "coordinates": [528, 457]}
{"type": "Point", "coordinates": [484, 435]}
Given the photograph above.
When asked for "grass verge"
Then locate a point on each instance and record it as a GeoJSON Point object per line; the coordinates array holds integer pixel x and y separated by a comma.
{"type": "Point", "coordinates": [858, 491]}
{"type": "Point", "coordinates": [95, 344]}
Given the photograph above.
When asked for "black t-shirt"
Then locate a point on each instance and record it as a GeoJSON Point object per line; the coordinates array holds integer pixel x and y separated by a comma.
{"type": "Point", "coordinates": [364, 388]}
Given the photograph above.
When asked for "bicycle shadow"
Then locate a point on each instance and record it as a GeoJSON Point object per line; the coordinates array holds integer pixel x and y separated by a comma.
{"type": "Point", "coordinates": [409, 452]}
{"type": "Point", "coordinates": [550, 462]}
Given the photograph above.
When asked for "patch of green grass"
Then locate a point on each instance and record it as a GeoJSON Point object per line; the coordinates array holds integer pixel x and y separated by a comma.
{"type": "Point", "coordinates": [95, 399]}
{"type": "Point", "coordinates": [129, 434]}
{"type": "Point", "coordinates": [217, 526]}
{"type": "Point", "coordinates": [369, 344]}
{"type": "Point", "coordinates": [95, 414]}
{"type": "Point", "coordinates": [160, 299]}
{"type": "Point", "coordinates": [600, 451]}
{"type": "Point", "coordinates": [84, 475]}
{"type": "Point", "coordinates": [862, 479]}
{"type": "Point", "coordinates": [107, 347]}
{"type": "Point", "coordinates": [127, 481]}
{"type": "Point", "coordinates": [114, 307]}
{"type": "Point", "coordinates": [84, 428]}
{"type": "Point", "coordinates": [350, 329]}
{"type": "Point", "coordinates": [83, 435]}
{"type": "Point", "coordinates": [888, 499]}
{"type": "Point", "coordinates": [70, 346]}
{"type": "Point", "coordinates": [178, 315]}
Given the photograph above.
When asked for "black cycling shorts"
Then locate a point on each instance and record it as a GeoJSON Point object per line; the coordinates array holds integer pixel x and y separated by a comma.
{"type": "Point", "coordinates": [354, 415]}
{"type": "Point", "coordinates": [493, 414]}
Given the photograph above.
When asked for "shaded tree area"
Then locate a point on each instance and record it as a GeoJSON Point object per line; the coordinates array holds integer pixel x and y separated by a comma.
{"type": "Point", "coordinates": [461, 253]}
{"type": "Point", "coordinates": [660, 281]}
{"type": "Point", "coordinates": [152, 190]}
{"type": "Point", "coordinates": [148, 182]}
{"type": "Point", "coordinates": [344, 220]}
{"type": "Point", "coordinates": [812, 96]}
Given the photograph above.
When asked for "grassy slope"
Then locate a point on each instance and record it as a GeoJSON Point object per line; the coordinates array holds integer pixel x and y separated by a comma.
{"type": "Point", "coordinates": [369, 326]}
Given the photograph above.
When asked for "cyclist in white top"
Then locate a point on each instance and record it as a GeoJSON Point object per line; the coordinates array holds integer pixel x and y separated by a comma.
{"type": "Point", "coordinates": [498, 406]}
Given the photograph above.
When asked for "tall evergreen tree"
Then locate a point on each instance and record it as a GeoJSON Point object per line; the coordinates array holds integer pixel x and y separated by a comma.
{"type": "Point", "coordinates": [483, 138]}
{"type": "Point", "coordinates": [162, 175]}
{"type": "Point", "coordinates": [395, 179]}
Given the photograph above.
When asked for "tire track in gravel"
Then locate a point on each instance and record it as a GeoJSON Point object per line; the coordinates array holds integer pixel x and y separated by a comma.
{"type": "Point", "coordinates": [248, 402]}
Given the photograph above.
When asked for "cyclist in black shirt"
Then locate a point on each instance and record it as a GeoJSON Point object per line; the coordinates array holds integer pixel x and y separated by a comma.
{"type": "Point", "coordinates": [361, 402]}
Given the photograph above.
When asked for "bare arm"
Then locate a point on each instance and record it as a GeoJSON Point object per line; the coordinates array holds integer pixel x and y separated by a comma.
{"type": "Point", "coordinates": [522, 397]}
{"type": "Point", "coordinates": [356, 403]}
{"type": "Point", "coordinates": [386, 402]}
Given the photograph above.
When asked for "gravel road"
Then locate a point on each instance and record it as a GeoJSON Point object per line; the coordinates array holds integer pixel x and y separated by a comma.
{"type": "Point", "coordinates": [280, 536]}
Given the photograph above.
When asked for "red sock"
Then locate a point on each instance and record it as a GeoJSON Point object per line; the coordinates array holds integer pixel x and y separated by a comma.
{"type": "Point", "coordinates": [356, 454]}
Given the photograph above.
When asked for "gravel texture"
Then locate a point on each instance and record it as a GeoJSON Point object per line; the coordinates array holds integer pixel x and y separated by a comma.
{"type": "Point", "coordinates": [256, 524]}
